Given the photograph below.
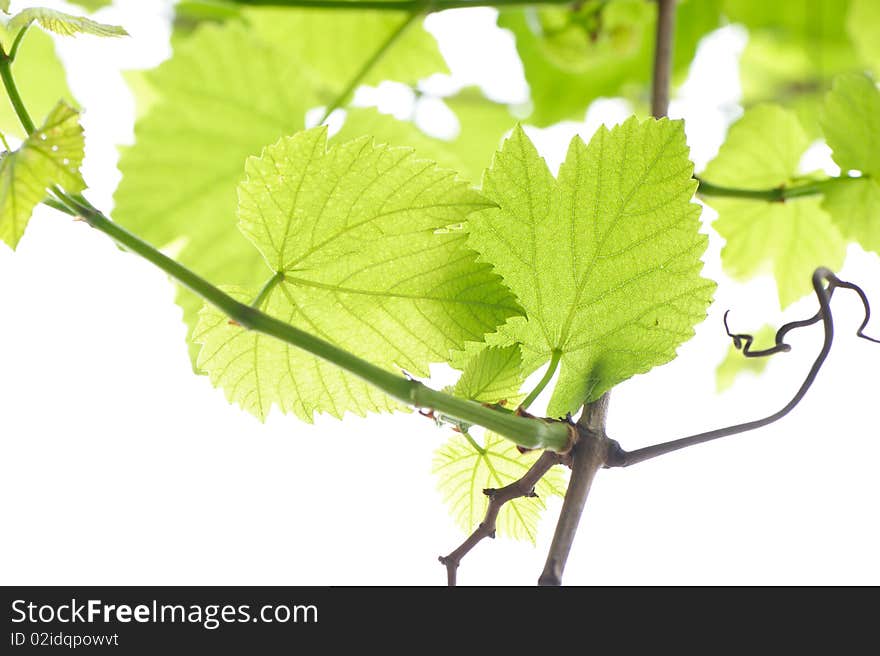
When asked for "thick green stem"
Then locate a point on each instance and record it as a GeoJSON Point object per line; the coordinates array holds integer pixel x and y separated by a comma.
{"type": "Point", "coordinates": [371, 62]}
{"type": "Point", "coordinates": [774, 195]}
{"type": "Point", "coordinates": [12, 92]}
{"type": "Point", "coordinates": [527, 432]}
{"type": "Point", "coordinates": [545, 379]}
{"type": "Point", "coordinates": [399, 5]}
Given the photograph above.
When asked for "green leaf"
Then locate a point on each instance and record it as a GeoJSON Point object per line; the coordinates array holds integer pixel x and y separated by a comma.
{"type": "Point", "coordinates": [492, 375]}
{"type": "Point", "coordinates": [854, 205]}
{"type": "Point", "coordinates": [335, 44]}
{"type": "Point", "coordinates": [573, 56]}
{"type": "Point", "coordinates": [794, 50]}
{"type": "Point", "coordinates": [40, 77]}
{"type": "Point", "coordinates": [373, 256]}
{"type": "Point", "coordinates": [851, 121]}
{"type": "Point", "coordinates": [257, 371]}
{"type": "Point", "coordinates": [223, 96]}
{"type": "Point", "coordinates": [4, 6]}
{"type": "Point", "coordinates": [605, 260]}
{"type": "Point", "coordinates": [762, 150]}
{"type": "Point", "coordinates": [463, 473]}
{"type": "Point", "coordinates": [50, 156]}
{"type": "Point", "coordinates": [63, 24]}
{"type": "Point", "coordinates": [735, 363]}
{"type": "Point", "coordinates": [862, 23]}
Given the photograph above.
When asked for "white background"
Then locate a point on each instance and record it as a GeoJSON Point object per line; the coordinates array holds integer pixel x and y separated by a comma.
{"type": "Point", "coordinates": [119, 466]}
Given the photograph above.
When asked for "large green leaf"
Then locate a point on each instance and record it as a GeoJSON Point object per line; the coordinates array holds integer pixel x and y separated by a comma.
{"type": "Point", "coordinates": [229, 90]}
{"type": "Point", "coordinates": [40, 78]}
{"type": "Point", "coordinates": [791, 239]}
{"type": "Point", "coordinates": [223, 96]}
{"type": "Point", "coordinates": [463, 472]}
{"type": "Point", "coordinates": [50, 156]}
{"type": "Point", "coordinates": [605, 260]}
{"type": "Point", "coordinates": [572, 56]}
{"type": "Point", "coordinates": [851, 120]}
{"type": "Point", "coordinates": [368, 245]}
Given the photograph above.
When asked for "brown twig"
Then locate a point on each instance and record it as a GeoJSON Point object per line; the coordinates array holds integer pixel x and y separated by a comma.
{"type": "Point", "coordinates": [663, 58]}
{"type": "Point", "coordinates": [588, 456]}
{"type": "Point", "coordinates": [523, 487]}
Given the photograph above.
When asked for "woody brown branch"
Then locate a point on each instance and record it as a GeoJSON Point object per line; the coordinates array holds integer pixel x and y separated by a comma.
{"type": "Point", "coordinates": [523, 487]}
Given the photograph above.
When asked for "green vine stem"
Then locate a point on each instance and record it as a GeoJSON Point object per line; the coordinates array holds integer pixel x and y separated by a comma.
{"type": "Point", "coordinates": [775, 195]}
{"type": "Point", "coordinates": [527, 432]}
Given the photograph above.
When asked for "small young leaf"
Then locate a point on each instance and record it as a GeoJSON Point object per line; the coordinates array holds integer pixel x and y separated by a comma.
{"type": "Point", "coordinates": [463, 473]}
{"type": "Point", "coordinates": [605, 260]}
{"type": "Point", "coordinates": [492, 375]}
{"type": "Point", "coordinates": [63, 24]}
{"type": "Point", "coordinates": [762, 151]}
{"type": "Point", "coordinates": [51, 155]}
{"type": "Point", "coordinates": [4, 6]}
{"type": "Point", "coordinates": [368, 244]}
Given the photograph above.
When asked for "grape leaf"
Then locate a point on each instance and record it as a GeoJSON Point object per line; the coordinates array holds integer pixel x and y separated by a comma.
{"type": "Point", "coordinates": [256, 371]}
{"type": "Point", "coordinates": [51, 155]}
{"type": "Point", "coordinates": [492, 375]}
{"type": "Point", "coordinates": [851, 121]}
{"type": "Point", "coordinates": [793, 51]}
{"type": "Point", "coordinates": [854, 206]}
{"type": "Point", "coordinates": [63, 24]}
{"type": "Point", "coordinates": [223, 96]}
{"type": "Point", "coordinates": [735, 363]}
{"type": "Point", "coordinates": [762, 151]}
{"type": "Point", "coordinates": [862, 22]}
{"type": "Point", "coordinates": [463, 473]}
{"type": "Point", "coordinates": [573, 56]}
{"type": "Point", "coordinates": [229, 90]}
{"type": "Point", "coordinates": [369, 246]}
{"type": "Point", "coordinates": [605, 260]}
{"type": "Point", "coordinates": [356, 36]}
{"type": "Point", "coordinates": [40, 77]}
